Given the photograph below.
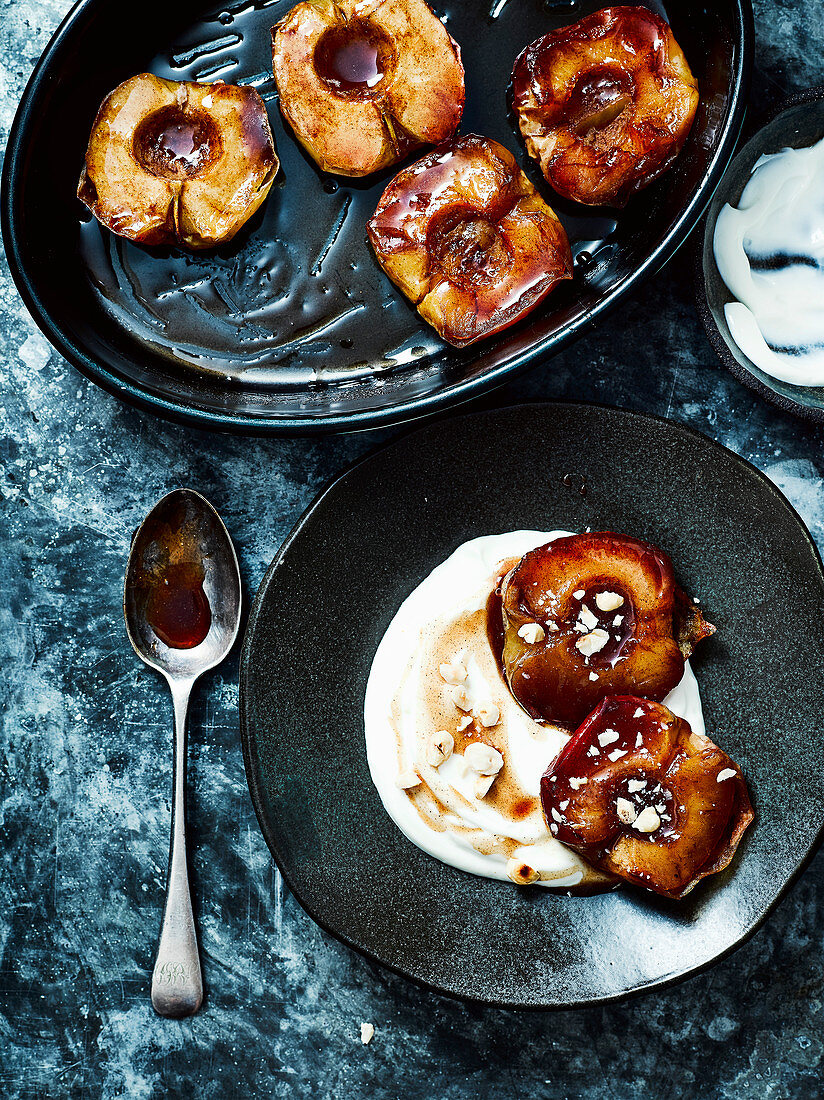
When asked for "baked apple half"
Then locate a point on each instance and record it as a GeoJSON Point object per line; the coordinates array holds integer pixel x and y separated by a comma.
{"type": "Point", "coordinates": [642, 796]}
{"type": "Point", "coordinates": [469, 240]}
{"type": "Point", "coordinates": [363, 82]}
{"type": "Point", "coordinates": [592, 615]}
{"type": "Point", "coordinates": [605, 105]}
{"type": "Point", "coordinates": [178, 162]}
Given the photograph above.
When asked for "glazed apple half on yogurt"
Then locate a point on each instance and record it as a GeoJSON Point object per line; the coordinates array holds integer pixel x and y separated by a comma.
{"type": "Point", "coordinates": [640, 795]}
{"type": "Point", "coordinates": [606, 104]}
{"type": "Point", "coordinates": [468, 239]}
{"type": "Point", "coordinates": [593, 615]}
{"type": "Point", "coordinates": [363, 82]}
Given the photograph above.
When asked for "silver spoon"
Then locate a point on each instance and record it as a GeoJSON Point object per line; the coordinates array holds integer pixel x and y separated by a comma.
{"type": "Point", "coordinates": [182, 606]}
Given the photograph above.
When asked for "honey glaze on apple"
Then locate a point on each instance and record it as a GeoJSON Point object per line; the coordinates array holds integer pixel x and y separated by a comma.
{"type": "Point", "coordinates": [606, 607]}
{"type": "Point", "coordinates": [646, 802]}
{"type": "Point", "coordinates": [176, 144]}
{"type": "Point", "coordinates": [644, 796]}
{"type": "Point", "coordinates": [355, 58]}
{"type": "Point", "coordinates": [468, 247]}
{"type": "Point", "coordinates": [169, 582]}
{"type": "Point", "coordinates": [598, 98]}
{"type": "Point", "coordinates": [592, 615]}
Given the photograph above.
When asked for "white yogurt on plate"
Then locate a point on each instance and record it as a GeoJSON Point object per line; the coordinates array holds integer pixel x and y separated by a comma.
{"type": "Point", "coordinates": [770, 253]}
{"type": "Point", "coordinates": [443, 621]}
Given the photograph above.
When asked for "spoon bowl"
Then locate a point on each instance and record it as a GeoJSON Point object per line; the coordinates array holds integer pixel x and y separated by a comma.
{"type": "Point", "coordinates": [182, 603]}
{"type": "Point", "coordinates": [183, 529]}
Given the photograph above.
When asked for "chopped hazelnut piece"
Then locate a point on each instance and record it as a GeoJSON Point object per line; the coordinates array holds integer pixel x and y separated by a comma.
{"type": "Point", "coordinates": [532, 633]}
{"type": "Point", "coordinates": [607, 737]}
{"type": "Point", "coordinates": [625, 810]}
{"type": "Point", "coordinates": [726, 773]}
{"type": "Point", "coordinates": [579, 594]}
{"type": "Point", "coordinates": [636, 785]}
{"type": "Point", "coordinates": [488, 715]}
{"type": "Point", "coordinates": [454, 673]}
{"type": "Point", "coordinates": [462, 699]}
{"type": "Point", "coordinates": [586, 617]}
{"type": "Point", "coordinates": [647, 821]}
{"type": "Point", "coordinates": [483, 759]}
{"type": "Point", "coordinates": [482, 784]}
{"type": "Point", "coordinates": [575, 783]}
{"type": "Point", "coordinates": [608, 601]}
{"type": "Point", "coordinates": [408, 779]}
{"type": "Point", "coordinates": [521, 873]}
{"type": "Point", "coordinates": [367, 1033]}
{"type": "Point", "coordinates": [593, 675]}
{"type": "Point", "coordinates": [593, 642]}
{"type": "Point", "coordinates": [464, 722]}
{"type": "Point", "coordinates": [439, 748]}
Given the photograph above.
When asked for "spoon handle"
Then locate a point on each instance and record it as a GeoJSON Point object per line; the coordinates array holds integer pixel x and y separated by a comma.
{"type": "Point", "coordinates": [177, 984]}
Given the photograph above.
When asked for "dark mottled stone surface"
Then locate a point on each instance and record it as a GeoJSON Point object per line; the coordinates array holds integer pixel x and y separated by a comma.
{"type": "Point", "coordinates": [86, 748]}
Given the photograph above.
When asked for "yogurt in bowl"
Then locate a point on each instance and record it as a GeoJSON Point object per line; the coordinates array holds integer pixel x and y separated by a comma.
{"type": "Point", "coordinates": [762, 256]}
{"type": "Point", "coordinates": [769, 250]}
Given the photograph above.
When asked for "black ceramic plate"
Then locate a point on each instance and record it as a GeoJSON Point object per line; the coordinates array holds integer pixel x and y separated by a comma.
{"type": "Point", "coordinates": [372, 537]}
{"type": "Point", "coordinates": [796, 123]}
{"type": "Point", "coordinates": [293, 326]}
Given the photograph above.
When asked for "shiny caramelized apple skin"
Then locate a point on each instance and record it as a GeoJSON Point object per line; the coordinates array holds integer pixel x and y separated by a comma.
{"type": "Point", "coordinates": [605, 105]}
{"type": "Point", "coordinates": [697, 793]}
{"type": "Point", "coordinates": [352, 128]}
{"type": "Point", "coordinates": [468, 239]}
{"type": "Point", "coordinates": [136, 190]}
{"type": "Point", "coordinates": [658, 628]}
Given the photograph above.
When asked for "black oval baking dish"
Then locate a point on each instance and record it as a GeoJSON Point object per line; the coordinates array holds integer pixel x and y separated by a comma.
{"type": "Point", "coordinates": [292, 327]}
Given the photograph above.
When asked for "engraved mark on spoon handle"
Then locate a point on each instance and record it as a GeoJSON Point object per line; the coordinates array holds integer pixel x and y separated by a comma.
{"type": "Point", "coordinates": [177, 984]}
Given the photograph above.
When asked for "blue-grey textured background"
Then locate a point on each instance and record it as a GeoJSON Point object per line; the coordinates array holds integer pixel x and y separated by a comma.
{"type": "Point", "coordinates": [85, 776]}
